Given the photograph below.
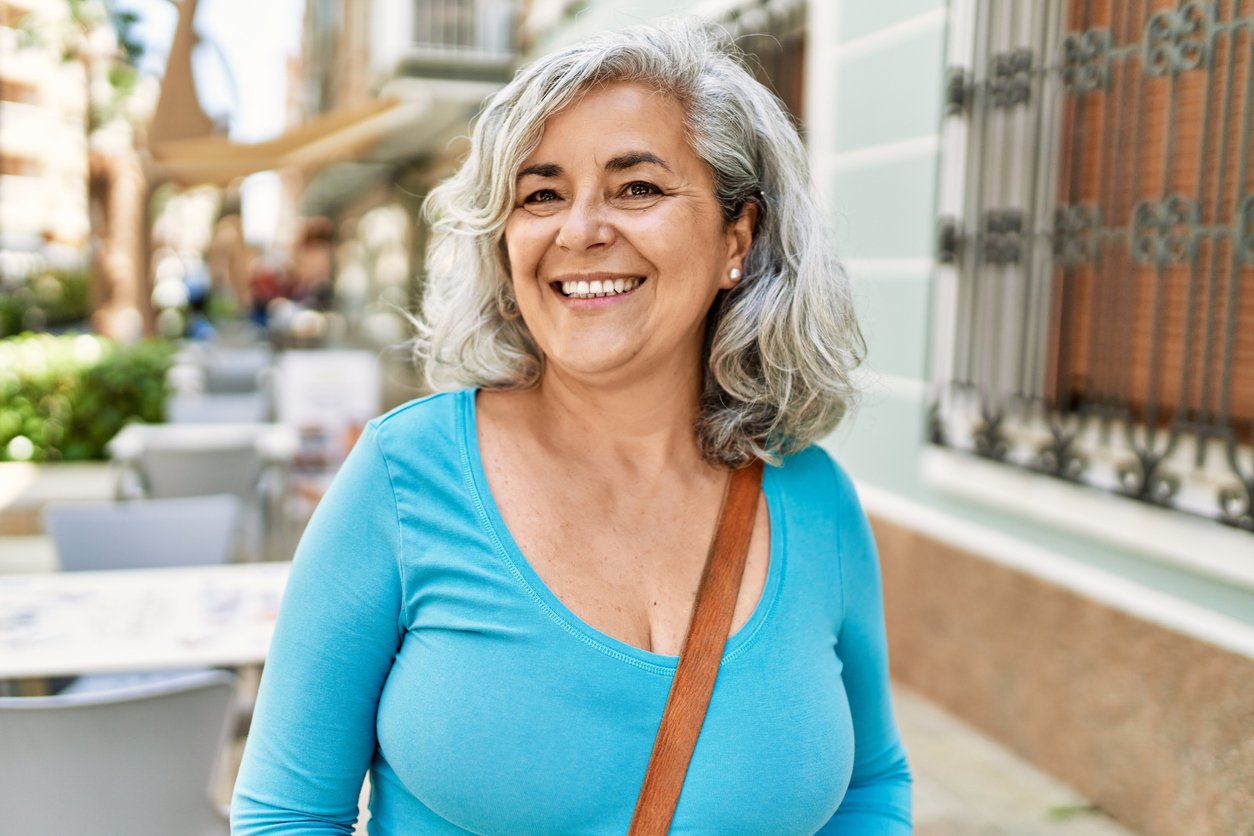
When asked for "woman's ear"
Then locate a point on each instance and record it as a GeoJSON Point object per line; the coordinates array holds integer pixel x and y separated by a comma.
{"type": "Point", "coordinates": [740, 234]}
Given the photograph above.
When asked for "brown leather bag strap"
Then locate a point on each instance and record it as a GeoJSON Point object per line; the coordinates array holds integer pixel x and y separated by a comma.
{"type": "Point", "coordinates": [698, 660]}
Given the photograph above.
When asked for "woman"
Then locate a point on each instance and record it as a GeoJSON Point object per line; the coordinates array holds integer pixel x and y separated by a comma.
{"type": "Point", "coordinates": [485, 610]}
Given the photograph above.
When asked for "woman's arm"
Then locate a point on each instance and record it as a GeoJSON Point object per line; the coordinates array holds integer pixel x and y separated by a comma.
{"type": "Point", "coordinates": [313, 730]}
{"type": "Point", "coordinates": [878, 800]}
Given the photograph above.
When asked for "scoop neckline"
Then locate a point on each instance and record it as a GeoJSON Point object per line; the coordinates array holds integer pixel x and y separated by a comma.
{"type": "Point", "coordinates": [556, 610]}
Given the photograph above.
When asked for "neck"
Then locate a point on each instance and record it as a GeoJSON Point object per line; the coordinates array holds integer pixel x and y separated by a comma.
{"type": "Point", "coordinates": [642, 427]}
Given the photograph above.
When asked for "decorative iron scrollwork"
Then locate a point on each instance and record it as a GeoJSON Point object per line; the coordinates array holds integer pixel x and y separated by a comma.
{"type": "Point", "coordinates": [1236, 504]}
{"type": "Point", "coordinates": [1010, 78]}
{"type": "Point", "coordinates": [1075, 233]}
{"type": "Point", "coordinates": [1059, 458]}
{"type": "Point", "coordinates": [1144, 479]}
{"type": "Point", "coordinates": [957, 91]}
{"type": "Point", "coordinates": [948, 241]}
{"type": "Point", "coordinates": [1165, 232]}
{"type": "Point", "coordinates": [1177, 40]}
{"type": "Point", "coordinates": [1003, 236]}
{"type": "Point", "coordinates": [990, 440]}
{"type": "Point", "coordinates": [935, 425]}
{"type": "Point", "coordinates": [1086, 60]}
{"type": "Point", "coordinates": [1246, 232]}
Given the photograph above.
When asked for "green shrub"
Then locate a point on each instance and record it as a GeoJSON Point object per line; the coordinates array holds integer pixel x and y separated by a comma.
{"type": "Point", "coordinates": [63, 397]}
{"type": "Point", "coordinates": [53, 299]}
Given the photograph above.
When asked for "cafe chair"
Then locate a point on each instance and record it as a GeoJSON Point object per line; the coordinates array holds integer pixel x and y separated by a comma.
{"type": "Point", "coordinates": [238, 369]}
{"type": "Point", "coordinates": [251, 461]}
{"type": "Point", "coordinates": [135, 761]}
{"type": "Point", "coordinates": [144, 533]}
{"type": "Point", "coordinates": [223, 369]}
{"type": "Point", "coordinates": [207, 408]}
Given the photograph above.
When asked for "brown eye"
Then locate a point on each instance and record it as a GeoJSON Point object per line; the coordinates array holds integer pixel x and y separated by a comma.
{"type": "Point", "coordinates": [541, 196]}
{"type": "Point", "coordinates": [641, 189]}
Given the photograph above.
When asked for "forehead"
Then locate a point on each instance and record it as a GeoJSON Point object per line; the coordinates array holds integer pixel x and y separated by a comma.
{"type": "Point", "coordinates": [616, 117]}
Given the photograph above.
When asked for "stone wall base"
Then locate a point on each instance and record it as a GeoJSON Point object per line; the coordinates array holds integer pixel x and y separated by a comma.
{"type": "Point", "coordinates": [1156, 727]}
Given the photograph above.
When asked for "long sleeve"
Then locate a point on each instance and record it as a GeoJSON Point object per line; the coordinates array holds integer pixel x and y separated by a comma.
{"type": "Point", "coordinates": [878, 801]}
{"type": "Point", "coordinates": [313, 730]}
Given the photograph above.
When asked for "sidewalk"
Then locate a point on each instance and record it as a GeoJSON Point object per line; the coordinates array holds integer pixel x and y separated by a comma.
{"type": "Point", "coordinates": [966, 784]}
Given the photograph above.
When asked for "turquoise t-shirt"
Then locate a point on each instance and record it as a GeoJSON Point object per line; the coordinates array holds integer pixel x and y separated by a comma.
{"type": "Point", "coordinates": [416, 642]}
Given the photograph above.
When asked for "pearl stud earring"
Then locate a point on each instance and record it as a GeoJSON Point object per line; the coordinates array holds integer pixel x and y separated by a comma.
{"type": "Point", "coordinates": [734, 274]}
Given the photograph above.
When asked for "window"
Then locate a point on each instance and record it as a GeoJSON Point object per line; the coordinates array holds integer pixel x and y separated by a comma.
{"type": "Point", "coordinates": [1096, 310]}
{"type": "Point", "coordinates": [773, 37]}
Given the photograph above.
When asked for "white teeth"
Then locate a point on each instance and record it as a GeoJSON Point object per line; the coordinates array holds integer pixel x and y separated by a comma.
{"type": "Point", "coordinates": [597, 288]}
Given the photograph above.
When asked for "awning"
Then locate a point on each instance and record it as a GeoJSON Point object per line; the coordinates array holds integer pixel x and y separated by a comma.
{"type": "Point", "coordinates": [412, 118]}
{"type": "Point", "coordinates": [185, 148]}
{"type": "Point", "coordinates": [343, 135]}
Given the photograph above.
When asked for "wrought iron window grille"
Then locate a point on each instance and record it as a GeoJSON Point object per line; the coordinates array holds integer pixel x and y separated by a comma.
{"type": "Point", "coordinates": [1095, 299]}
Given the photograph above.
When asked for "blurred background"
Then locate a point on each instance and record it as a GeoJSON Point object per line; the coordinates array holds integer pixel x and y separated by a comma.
{"type": "Point", "coordinates": [210, 237]}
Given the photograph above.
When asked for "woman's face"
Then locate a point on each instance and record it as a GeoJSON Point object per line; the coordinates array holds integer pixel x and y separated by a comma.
{"type": "Point", "coordinates": [614, 199]}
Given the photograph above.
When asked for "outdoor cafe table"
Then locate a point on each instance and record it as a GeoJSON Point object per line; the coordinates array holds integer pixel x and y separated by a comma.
{"type": "Point", "coordinates": [69, 623]}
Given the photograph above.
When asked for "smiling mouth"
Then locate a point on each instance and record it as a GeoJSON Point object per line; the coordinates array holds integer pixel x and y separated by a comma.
{"type": "Point", "coordinates": [597, 289]}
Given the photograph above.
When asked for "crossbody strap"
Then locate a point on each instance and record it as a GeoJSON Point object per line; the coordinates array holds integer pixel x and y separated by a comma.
{"type": "Point", "coordinates": [698, 660]}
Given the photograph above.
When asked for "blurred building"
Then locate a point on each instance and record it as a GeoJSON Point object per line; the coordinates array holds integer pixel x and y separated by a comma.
{"type": "Point", "coordinates": [43, 140]}
{"type": "Point", "coordinates": [1047, 210]}
{"type": "Point", "coordinates": [436, 61]}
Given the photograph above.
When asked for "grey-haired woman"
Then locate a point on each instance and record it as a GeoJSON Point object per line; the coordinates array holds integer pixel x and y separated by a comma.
{"type": "Point", "coordinates": [629, 293]}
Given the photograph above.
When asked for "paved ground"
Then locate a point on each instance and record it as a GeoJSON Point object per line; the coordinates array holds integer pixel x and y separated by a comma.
{"type": "Point", "coordinates": [965, 783]}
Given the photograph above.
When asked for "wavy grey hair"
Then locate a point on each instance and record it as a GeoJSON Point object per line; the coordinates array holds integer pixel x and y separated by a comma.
{"type": "Point", "coordinates": [779, 348]}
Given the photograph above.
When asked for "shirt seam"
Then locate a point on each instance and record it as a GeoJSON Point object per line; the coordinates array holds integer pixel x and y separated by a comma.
{"type": "Point", "coordinates": [401, 616]}
{"type": "Point", "coordinates": [840, 554]}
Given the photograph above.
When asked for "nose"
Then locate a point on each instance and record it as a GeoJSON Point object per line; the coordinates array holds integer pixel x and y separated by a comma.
{"type": "Point", "coordinates": [585, 225]}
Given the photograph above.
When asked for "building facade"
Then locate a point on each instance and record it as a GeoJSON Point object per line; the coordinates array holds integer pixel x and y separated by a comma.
{"type": "Point", "coordinates": [43, 140]}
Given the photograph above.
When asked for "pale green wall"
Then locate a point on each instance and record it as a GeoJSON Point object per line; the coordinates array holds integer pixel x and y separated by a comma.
{"type": "Point", "coordinates": [874, 143]}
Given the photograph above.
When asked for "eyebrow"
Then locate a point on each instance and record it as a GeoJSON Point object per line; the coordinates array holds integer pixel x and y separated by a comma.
{"type": "Point", "coordinates": [541, 170]}
{"type": "Point", "coordinates": [622, 162]}
{"type": "Point", "coordinates": [634, 158]}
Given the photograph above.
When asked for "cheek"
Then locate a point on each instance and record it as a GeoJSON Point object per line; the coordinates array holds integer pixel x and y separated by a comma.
{"type": "Point", "coordinates": [679, 238]}
{"type": "Point", "coordinates": [523, 244]}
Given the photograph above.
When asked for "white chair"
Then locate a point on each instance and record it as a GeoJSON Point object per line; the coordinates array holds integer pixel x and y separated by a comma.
{"type": "Point", "coordinates": [135, 761]}
{"type": "Point", "coordinates": [144, 533]}
{"type": "Point", "coordinates": [201, 408]}
{"type": "Point", "coordinates": [161, 461]}
{"type": "Point", "coordinates": [227, 369]}
{"type": "Point", "coordinates": [230, 370]}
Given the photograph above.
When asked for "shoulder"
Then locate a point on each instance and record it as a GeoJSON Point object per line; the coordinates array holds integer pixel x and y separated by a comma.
{"type": "Point", "coordinates": [813, 474]}
{"type": "Point", "coordinates": [434, 419]}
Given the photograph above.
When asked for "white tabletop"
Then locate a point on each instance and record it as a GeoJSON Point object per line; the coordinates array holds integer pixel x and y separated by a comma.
{"type": "Point", "coordinates": [135, 620]}
{"type": "Point", "coordinates": [274, 441]}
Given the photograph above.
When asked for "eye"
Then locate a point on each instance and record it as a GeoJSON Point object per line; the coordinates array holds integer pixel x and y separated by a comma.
{"type": "Point", "coordinates": [541, 196]}
{"type": "Point", "coordinates": [639, 188]}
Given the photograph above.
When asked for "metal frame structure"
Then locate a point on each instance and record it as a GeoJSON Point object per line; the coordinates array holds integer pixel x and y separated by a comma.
{"type": "Point", "coordinates": [1087, 312]}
